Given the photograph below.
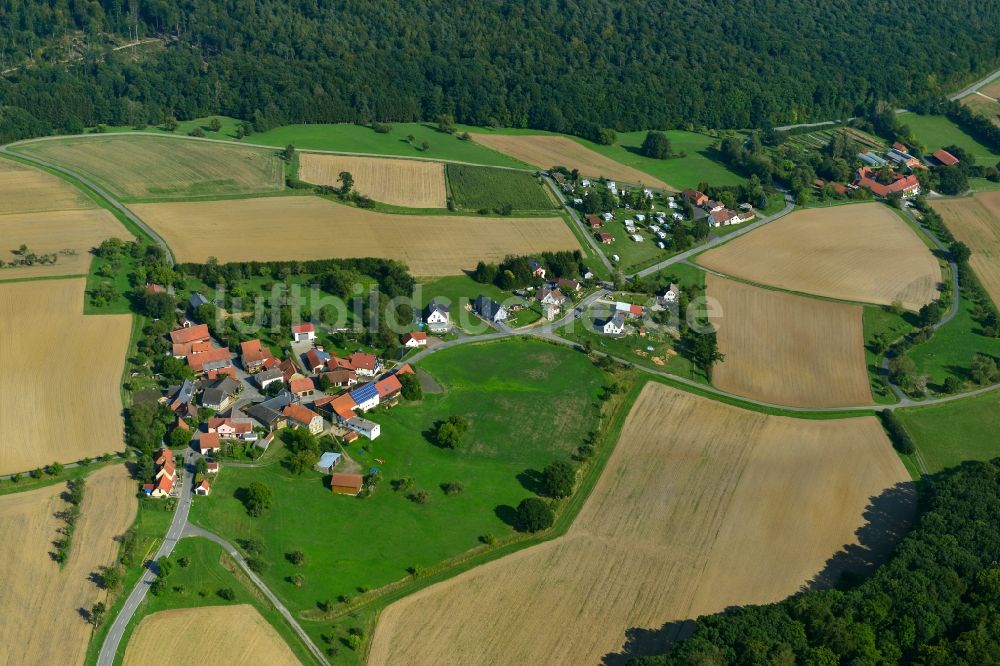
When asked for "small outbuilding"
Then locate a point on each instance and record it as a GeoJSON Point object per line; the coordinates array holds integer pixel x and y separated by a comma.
{"type": "Point", "coordinates": [346, 484]}
{"type": "Point", "coordinates": [327, 462]}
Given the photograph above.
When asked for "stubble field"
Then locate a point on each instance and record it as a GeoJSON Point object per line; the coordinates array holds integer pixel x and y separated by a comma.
{"type": "Point", "coordinates": [862, 252]}
{"type": "Point", "coordinates": [413, 183]}
{"type": "Point", "coordinates": [701, 506]}
{"type": "Point", "coordinates": [60, 386]}
{"type": "Point", "coordinates": [788, 350]}
{"type": "Point", "coordinates": [975, 221]}
{"type": "Point", "coordinates": [148, 167]}
{"type": "Point", "coordinates": [48, 215]}
{"type": "Point", "coordinates": [222, 635]}
{"type": "Point", "coordinates": [545, 151]}
{"type": "Point", "coordinates": [39, 603]}
{"type": "Point", "coordinates": [307, 227]}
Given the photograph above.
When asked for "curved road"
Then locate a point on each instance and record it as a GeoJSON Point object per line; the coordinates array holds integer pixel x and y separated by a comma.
{"type": "Point", "coordinates": [174, 533]}
{"type": "Point", "coordinates": [104, 194]}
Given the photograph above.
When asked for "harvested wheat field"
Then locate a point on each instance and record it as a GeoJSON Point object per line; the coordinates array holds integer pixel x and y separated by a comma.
{"type": "Point", "coordinates": [546, 151]}
{"type": "Point", "coordinates": [149, 167]}
{"type": "Point", "coordinates": [413, 183]}
{"type": "Point", "coordinates": [69, 234]}
{"type": "Point", "coordinates": [37, 598]}
{"type": "Point", "coordinates": [975, 221]}
{"type": "Point", "coordinates": [60, 386]}
{"type": "Point", "coordinates": [236, 635]}
{"type": "Point", "coordinates": [789, 350]}
{"type": "Point", "coordinates": [862, 252]}
{"type": "Point", "coordinates": [307, 227]}
{"type": "Point", "coordinates": [24, 189]}
{"type": "Point", "coordinates": [701, 506]}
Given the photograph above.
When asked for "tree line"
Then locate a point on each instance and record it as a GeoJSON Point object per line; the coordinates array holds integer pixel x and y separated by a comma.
{"type": "Point", "coordinates": [581, 67]}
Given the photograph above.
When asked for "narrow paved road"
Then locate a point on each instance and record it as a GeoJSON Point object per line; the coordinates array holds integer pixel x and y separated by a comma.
{"type": "Point", "coordinates": [100, 191]}
{"type": "Point", "coordinates": [195, 531]}
{"type": "Point", "coordinates": [719, 240]}
{"type": "Point", "coordinates": [986, 80]}
{"type": "Point", "coordinates": [575, 216]}
{"type": "Point", "coordinates": [138, 594]}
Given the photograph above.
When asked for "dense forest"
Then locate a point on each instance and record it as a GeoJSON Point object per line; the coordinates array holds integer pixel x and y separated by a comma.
{"type": "Point", "coordinates": [936, 602]}
{"type": "Point", "coordinates": [569, 65]}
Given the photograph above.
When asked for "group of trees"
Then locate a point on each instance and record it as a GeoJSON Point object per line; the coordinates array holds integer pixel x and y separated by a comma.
{"type": "Point", "coordinates": [448, 433]}
{"type": "Point", "coordinates": [937, 601]}
{"type": "Point", "coordinates": [515, 272]}
{"type": "Point", "coordinates": [269, 63]}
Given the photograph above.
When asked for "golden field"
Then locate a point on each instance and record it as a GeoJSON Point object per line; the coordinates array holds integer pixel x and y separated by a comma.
{"type": "Point", "coordinates": [39, 602]}
{"type": "Point", "coordinates": [307, 227]}
{"type": "Point", "coordinates": [413, 183]}
{"type": "Point", "coordinates": [546, 151]}
{"type": "Point", "coordinates": [701, 506]}
{"type": "Point", "coordinates": [975, 221]}
{"type": "Point", "coordinates": [60, 387]}
{"type": "Point", "coordinates": [220, 635]}
{"type": "Point", "coordinates": [861, 252]}
{"type": "Point", "coordinates": [788, 350]}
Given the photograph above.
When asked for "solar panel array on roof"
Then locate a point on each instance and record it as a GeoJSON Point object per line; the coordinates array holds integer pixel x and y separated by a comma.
{"type": "Point", "coordinates": [364, 393]}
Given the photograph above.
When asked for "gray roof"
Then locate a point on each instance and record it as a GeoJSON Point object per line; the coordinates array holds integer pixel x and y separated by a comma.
{"type": "Point", "coordinates": [487, 308]}
{"type": "Point", "coordinates": [185, 392]}
{"type": "Point", "coordinates": [328, 459]}
{"type": "Point", "coordinates": [273, 373]}
{"type": "Point", "coordinates": [434, 306]}
{"type": "Point", "coordinates": [269, 411]}
{"type": "Point", "coordinates": [196, 300]}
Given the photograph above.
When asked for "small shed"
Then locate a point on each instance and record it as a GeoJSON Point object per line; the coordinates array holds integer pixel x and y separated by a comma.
{"type": "Point", "coordinates": [327, 461]}
{"type": "Point", "coordinates": [346, 484]}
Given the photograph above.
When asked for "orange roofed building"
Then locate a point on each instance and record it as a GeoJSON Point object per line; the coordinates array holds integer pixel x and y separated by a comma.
{"type": "Point", "coordinates": [190, 334]}
{"type": "Point", "coordinates": [904, 185]}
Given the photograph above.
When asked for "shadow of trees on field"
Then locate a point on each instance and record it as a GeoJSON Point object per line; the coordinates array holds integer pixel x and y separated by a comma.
{"type": "Point", "coordinates": [531, 480]}
{"type": "Point", "coordinates": [888, 517]}
{"type": "Point", "coordinates": [507, 514]}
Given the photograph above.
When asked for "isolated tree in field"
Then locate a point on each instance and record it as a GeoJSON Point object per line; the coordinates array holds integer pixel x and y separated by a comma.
{"type": "Point", "coordinates": [197, 132]}
{"type": "Point", "coordinates": [930, 313]}
{"type": "Point", "coordinates": [705, 351]}
{"type": "Point", "coordinates": [902, 370]}
{"type": "Point", "coordinates": [983, 369]}
{"type": "Point", "coordinates": [257, 498]}
{"type": "Point", "coordinates": [346, 181]}
{"type": "Point", "coordinates": [214, 125]}
{"type": "Point", "coordinates": [448, 433]}
{"type": "Point", "coordinates": [97, 612]}
{"type": "Point", "coordinates": [446, 123]}
{"type": "Point", "coordinates": [533, 515]}
{"type": "Point", "coordinates": [164, 566]}
{"type": "Point", "coordinates": [558, 479]}
{"type": "Point", "coordinates": [287, 153]}
{"type": "Point", "coordinates": [170, 124]}
{"type": "Point", "coordinates": [296, 557]}
{"type": "Point", "coordinates": [656, 145]}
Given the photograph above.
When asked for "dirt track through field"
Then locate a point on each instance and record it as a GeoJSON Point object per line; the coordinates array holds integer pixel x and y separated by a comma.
{"type": "Point", "coordinates": [307, 227]}
{"type": "Point", "coordinates": [159, 167]}
{"type": "Point", "coordinates": [60, 386]}
{"type": "Point", "coordinates": [412, 183]}
{"type": "Point", "coordinates": [788, 350]}
{"type": "Point", "coordinates": [701, 506]}
{"type": "Point", "coordinates": [861, 252]}
{"type": "Point", "coordinates": [976, 222]}
{"type": "Point", "coordinates": [546, 151]}
{"type": "Point", "coordinates": [40, 604]}
{"type": "Point", "coordinates": [218, 635]}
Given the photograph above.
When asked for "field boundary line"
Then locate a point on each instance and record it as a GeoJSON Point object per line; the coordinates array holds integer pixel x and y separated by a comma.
{"type": "Point", "coordinates": [318, 151]}
{"type": "Point", "coordinates": [100, 192]}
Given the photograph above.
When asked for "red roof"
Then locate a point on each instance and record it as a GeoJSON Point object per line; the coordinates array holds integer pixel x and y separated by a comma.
{"type": "Point", "coordinates": [228, 371]}
{"type": "Point", "coordinates": [153, 288]}
{"type": "Point", "coordinates": [300, 414]}
{"type": "Point", "coordinates": [406, 368]}
{"type": "Point", "coordinates": [198, 361]}
{"type": "Point", "coordinates": [213, 466]}
{"type": "Point", "coordinates": [314, 360]}
{"type": "Point", "coordinates": [165, 483]}
{"type": "Point", "coordinates": [253, 351]}
{"type": "Point", "coordinates": [595, 222]}
{"type": "Point", "coordinates": [900, 184]}
{"type": "Point", "coordinates": [605, 237]}
{"type": "Point", "coordinates": [208, 440]}
{"type": "Point", "coordinates": [239, 426]}
{"type": "Point", "coordinates": [343, 406]}
{"type": "Point", "coordinates": [191, 334]}
{"type": "Point", "coordinates": [204, 485]}
{"type": "Point", "coordinates": [343, 480]}
{"type": "Point", "coordinates": [944, 157]}
{"type": "Point", "coordinates": [301, 385]}
{"type": "Point", "coordinates": [165, 454]}
{"type": "Point", "coordinates": [388, 386]}
{"type": "Point", "coordinates": [360, 360]}
{"type": "Point", "coordinates": [414, 336]}
{"type": "Point", "coordinates": [303, 328]}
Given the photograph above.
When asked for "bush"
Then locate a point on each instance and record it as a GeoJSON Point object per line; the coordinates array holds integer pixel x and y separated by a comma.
{"type": "Point", "coordinates": [256, 564]}
{"type": "Point", "coordinates": [452, 488]}
{"type": "Point", "coordinates": [296, 557]}
{"type": "Point", "coordinates": [226, 593]}
{"type": "Point", "coordinates": [533, 515]}
{"type": "Point", "coordinates": [256, 498]}
{"type": "Point", "coordinates": [897, 433]}
{"type": "Point", "coordinates": [419, 496]}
